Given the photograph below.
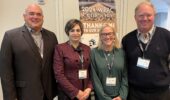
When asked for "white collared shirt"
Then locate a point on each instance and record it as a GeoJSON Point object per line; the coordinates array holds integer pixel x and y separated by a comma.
{"type": "Point", "coordinates": [37, 37]}
{"type": "Point", "coordinates": [145, 37]}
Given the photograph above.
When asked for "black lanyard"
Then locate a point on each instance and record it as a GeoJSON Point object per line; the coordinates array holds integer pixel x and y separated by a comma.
{"type": "Point", "coordinates": [109, 65]}
{"type": "Point", "coordinates": [80, 54]}
{"type": "Point", "coordinates": [146, 47]}
{"type": "Point", "coordinates": [141, 47]}
{"type": "Point", "coordinates": [81, 59]}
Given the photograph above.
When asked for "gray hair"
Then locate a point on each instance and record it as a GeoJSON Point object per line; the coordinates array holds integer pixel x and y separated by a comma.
{"type": "Point", "coordinates": [145, 3]}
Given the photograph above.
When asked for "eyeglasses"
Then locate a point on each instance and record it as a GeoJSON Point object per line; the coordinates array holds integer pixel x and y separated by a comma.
{"type": "Point", "coordinates": [107, 34]}
{"type": "Point", "coordinates": [75, 30]}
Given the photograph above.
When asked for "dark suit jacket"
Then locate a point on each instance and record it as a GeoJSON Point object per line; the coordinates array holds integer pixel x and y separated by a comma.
{"type": "Point", "coordinates": [66, 66]}
{"type": "Point", "coordinates": [24, 74]}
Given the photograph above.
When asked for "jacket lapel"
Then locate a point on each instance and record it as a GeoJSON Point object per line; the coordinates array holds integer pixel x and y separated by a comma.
{"type": "Point", "coordinates": [46, 46]}
{"type": "Point", "coordinates": [30, 41]}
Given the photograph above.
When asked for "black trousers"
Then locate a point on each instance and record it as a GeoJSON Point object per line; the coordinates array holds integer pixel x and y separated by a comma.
{"type": "Point", "coordinates": [156, 94]}
{"type": "Point", "coordinates": [45, 97]}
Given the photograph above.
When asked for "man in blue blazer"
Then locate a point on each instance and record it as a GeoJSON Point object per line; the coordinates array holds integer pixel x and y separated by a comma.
{"type": "Point", "coordinates": [26, 59]}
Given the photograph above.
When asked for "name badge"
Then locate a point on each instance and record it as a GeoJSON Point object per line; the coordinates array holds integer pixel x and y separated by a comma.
{"type": "Point", "coordinates": [143, 63]}
{"type": "Point", "coordinates": [111, 81]}
{"type": "Point", "coordinates": [83, 74]}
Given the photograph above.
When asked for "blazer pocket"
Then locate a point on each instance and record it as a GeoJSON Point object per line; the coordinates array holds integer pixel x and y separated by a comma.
{"type": "Point", "coordinates": [20, 84]}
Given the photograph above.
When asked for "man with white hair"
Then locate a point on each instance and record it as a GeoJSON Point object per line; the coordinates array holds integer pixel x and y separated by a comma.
{"type": "Point", "coordinates": [26, 59]}
{"type": "Point", "coordinates": [147, 51]}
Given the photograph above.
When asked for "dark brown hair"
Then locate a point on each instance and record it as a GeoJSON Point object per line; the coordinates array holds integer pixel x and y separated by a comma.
{"type": "Point", "coordinates": [71, 23]}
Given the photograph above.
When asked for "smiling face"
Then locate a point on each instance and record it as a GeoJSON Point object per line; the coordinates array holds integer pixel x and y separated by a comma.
{"type": "Point", "coordinates": [75, 34]}
{"type": "Point", "coordinates": [33, 17]}
{"type": "Point", "coordinates": [144, 16]}
{"type": "Point", "coordinates": [107, 37]}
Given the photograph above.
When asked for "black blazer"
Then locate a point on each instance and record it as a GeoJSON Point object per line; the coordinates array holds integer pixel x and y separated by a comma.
{"type": "Point", "coordinates": [24, 74]}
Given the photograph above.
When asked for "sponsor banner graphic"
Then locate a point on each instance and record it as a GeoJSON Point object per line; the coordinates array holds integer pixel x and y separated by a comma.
{"type": "Point", "coordinates": [94, 14]}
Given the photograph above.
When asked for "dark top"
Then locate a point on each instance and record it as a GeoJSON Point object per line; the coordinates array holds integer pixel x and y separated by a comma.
{"type": "Point", "coordinates": [66, 67]}
{"type": "Point", "coordinates": [158, 73]}
{"type": "Point", "coordinates": [24, 74]}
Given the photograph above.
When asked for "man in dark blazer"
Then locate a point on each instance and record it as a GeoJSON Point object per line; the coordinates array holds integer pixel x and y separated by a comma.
{"type": "Point", "coordinates": [26, 59]}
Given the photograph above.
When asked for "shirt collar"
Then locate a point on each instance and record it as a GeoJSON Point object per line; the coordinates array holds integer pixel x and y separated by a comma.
{"type": "Point", "coordinates": [31, 30]}
{"type": "Point", "coordinates": [151, 31]}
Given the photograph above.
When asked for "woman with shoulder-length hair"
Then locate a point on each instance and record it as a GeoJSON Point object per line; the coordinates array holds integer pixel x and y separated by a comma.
{"type": "Point", "coordinates": [109, 75]}
{"type": "Point", "coordinates": [72, 65]}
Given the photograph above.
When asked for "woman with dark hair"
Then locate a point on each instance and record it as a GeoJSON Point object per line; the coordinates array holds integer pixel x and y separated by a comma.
{"type": "Point", "coordinates": [72, 65]}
